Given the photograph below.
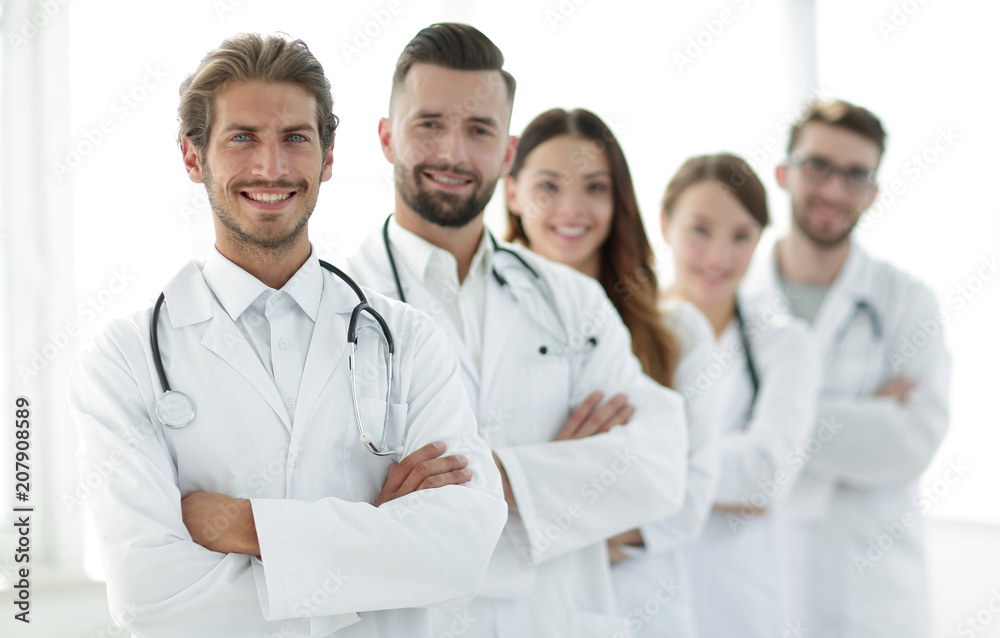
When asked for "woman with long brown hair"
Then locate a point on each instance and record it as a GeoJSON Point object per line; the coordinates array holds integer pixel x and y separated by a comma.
{"type": "Point", "coordinates": [570, 198]}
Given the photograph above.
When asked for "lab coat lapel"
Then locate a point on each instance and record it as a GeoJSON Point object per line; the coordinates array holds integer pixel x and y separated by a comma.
{"type": "Point", "coordinates": [326, 349]}
{"type": "Point", "coordinates": [225, 339]}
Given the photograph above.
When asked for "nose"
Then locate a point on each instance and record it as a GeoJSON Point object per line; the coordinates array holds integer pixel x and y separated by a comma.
{"type": "Point", "coordinates": [569, 200]}
{"type": "Point", "coordinates": [451, 145]}
{"type": "Point", "coordinates": [270, 160]}
{"type": "Point", "coordinates": [718, 254]}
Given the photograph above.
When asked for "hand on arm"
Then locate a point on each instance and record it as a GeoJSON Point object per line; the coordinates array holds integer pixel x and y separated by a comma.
{"type": "Point", "coordinates": [220, 523]}
{"type": "Point", "coordinates": [588, 419]}
{"type": "Point", "coordinates": [898, 388]}
{"type": "Point", "coordinates": [423, 470]}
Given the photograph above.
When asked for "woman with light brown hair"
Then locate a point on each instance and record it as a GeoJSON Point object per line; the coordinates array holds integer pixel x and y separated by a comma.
{"type": "Point", "coordinates": [764, 375]}
{"type": "Point", "coordinates": [570, 199]}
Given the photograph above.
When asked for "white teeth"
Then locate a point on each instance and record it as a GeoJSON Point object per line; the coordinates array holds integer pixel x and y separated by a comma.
{"type": "Point", "coordinates": [571, 231]}
{"type": "Point", "coordinates": [448, 180]}
{"type": "Point", "coordinates": [269, 198]}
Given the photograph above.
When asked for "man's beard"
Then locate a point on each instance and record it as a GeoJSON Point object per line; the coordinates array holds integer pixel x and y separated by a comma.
{"type": "Point", "coordinates": [442, 208]}
{"type": "Point", "coordinates": [244, 237]}
{"type": "Point", "coordinates": [802, 222]}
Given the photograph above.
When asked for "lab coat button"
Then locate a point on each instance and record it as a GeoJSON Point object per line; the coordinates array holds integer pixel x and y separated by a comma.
{"type": "Point", "coordinates": [283, 344]}
{"type": "Point", "coordinates": [290, 403]}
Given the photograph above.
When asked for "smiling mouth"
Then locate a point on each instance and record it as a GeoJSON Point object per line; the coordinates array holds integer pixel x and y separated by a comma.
{"type": "Point", "coordinates": [447, 181]}
{"type": "Point", "coordinates": [267, 198]}
{"type": "Point", "coordinates": [571, 232]}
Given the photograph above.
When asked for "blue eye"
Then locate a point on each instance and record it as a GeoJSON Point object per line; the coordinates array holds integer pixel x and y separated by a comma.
{"type": "Point", "coordinates": [241, 137]}
{"type": "Point", "coordinates": [295, 137]}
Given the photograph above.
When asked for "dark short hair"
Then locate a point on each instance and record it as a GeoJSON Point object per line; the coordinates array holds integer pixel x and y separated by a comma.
{"type": "Point", "coordinates": [244, 58]}
{"type": "Point", "coordinates": [453, 46]}
{"type": "Point", "coordinates": [731, 172]}
{"type": "Point", "coordinates": [842, 115]}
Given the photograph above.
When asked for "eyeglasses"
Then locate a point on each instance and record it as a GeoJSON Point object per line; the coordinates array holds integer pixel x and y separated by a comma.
{"type": "Point", "coordinates": [818, 170]}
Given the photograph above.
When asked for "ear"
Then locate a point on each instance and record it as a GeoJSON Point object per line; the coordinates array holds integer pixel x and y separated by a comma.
{"type": "Point", "coordinates": [385, 139]}
{"type": "Point", "coordinates": [328, 161]}
{"type": "Point", "coordinates": [508, 158]}
{"type": "Point", "coordinates": [781, 175]}
{"type": "Point", "coordinates": [510, 190]}
{"type": "Point", "coordinates": [192, 163]}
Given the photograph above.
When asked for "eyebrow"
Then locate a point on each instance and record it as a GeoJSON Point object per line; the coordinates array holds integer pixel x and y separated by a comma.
{"type": "Point", "coordinates": [488, 121]}
{"type": "Point", "coordinates": [249, 128]}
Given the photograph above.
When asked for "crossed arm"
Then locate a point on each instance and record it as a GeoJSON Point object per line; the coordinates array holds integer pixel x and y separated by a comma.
{"type": "Point", "coordinates": [225, 524]}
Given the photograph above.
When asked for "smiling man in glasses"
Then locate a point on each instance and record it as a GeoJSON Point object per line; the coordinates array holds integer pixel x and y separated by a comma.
{"type": "Point", "coordinates": [854, 550]}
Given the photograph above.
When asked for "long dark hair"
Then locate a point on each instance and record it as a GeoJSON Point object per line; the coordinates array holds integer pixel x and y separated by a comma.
{"type": "Point", "coordinates": [627, 269]}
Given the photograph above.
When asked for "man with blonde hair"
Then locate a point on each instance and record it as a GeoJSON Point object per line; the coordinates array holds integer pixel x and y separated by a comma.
{"type": "Point", "coordinates": [258, 496]}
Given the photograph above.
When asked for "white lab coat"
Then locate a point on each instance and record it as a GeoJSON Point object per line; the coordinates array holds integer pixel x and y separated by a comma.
{"type": "Point", "coordinates": [653, 585]}
{"type": "Point", "coordinates": [735, 576]}
{"type": "Point", "coordinates": [862, 482]}
{"type": "Point", "coordinates": [328, 557]}
{"type": "Point", "coordinates": [549, 575]}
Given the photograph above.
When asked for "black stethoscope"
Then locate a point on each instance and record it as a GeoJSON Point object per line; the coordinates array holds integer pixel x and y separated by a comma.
{"type": "Point", "coordinates": [861, 306]}
{"type": "Point", "coordinates": [562, 347]}
{"type": "Point", "coordinates": [175, 409]}
{"type": "Point", "coordinates": [751, 366]}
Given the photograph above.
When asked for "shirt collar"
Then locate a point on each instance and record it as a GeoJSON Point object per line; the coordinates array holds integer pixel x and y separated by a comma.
{"type": "Point", "coordinates": [236, 289]}
{"type": "Point", "coordinates": [421, 256]}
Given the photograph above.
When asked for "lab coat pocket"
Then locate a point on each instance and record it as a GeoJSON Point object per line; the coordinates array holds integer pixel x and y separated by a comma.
{"type": "Point", "coordinates": [364, 472]}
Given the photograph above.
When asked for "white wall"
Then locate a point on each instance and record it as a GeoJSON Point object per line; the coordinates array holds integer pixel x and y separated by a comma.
{"type": "Point", "coordinates": [83, 206]}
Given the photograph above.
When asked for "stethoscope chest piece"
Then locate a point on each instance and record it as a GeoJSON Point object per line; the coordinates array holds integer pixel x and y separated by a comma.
{"type": "Point", "coordinates": [174, 409]}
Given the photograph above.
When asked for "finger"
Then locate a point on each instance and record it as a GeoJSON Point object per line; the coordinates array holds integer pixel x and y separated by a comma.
{"type": "Point", "coordinates": [456, 477]}
{"type": "Point", "coordinates": [579, 416]}
{"type": "Point", "coordinates": [620, 417]}
{"type": "Point", "coordinates": [601, 416]}
{"type": "Point", "coordinates": [396, 478]}
{"type": "Point", "coordinates": [427, 469]}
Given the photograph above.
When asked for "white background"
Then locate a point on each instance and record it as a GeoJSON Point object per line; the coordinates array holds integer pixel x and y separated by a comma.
{"type": "Point", "coordinates": [82, 206]}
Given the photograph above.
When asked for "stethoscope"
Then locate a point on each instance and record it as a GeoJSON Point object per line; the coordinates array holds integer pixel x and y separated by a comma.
{"type": "Point", "coordinates": [751, 366]}
{"type": "Point", "coordinates": [175, 409]}
{"type": "Point", "coordinates": [562, 345]}
{"type": "Point", "coordinates": [861, 306]}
